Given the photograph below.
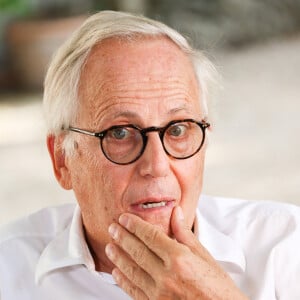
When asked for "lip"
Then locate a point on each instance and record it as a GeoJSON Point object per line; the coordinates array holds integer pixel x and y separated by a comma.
{"type": "Point", "coordinates": [138, 206]}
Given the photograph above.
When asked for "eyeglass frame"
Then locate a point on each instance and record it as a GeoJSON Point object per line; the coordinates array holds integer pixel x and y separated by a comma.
{"type": "Point", "coordinates": [143, 132]}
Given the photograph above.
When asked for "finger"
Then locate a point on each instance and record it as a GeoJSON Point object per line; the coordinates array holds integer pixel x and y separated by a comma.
{"type": "Point", "coordinates": [152, 236]}
{"type": "Point", "coordinates": [179, 228]}
{"type": "Point", "coordinates": [125, 284]}
{"type": "Point", "coordinates": [136, 275]}
{"type": "Point", "coordinates": [185, 235]}
{"type": "Point", "coordinates": [136, 249]}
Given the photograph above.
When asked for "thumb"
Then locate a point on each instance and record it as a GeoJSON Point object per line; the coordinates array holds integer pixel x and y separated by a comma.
{"type": "Point", "coordinates": [179, 228]}
{"type": "Point", "coordinates": [184, 235]}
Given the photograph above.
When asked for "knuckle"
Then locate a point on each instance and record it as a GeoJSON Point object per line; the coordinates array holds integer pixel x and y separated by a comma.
{"type": "Point", "coordinates": [133, 291]}
{"type": "Point", "coordinates": [152, 235]}
{"type": "Point", "coordinates": [139, 254]}
{"type": "Point", "coordinates": [119, 236]}
{"type": "Point", "coordinates": [130, 271]}
{"type": "Point", "coordinates": [167, 283]}
{"type": "Point", "coordinates": [179, 261]}
{"type": "Point", "coordinates": [124, 282]}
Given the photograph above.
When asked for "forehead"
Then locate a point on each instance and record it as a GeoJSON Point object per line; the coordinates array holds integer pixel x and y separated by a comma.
{"type": "Point", "coordinates": [120, 71]}
{"type": "Point", "coordinates": [145, 54]}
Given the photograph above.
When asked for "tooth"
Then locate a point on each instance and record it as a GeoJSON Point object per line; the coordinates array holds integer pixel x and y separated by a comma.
{"type": "Point", "coordinates": [151, 205]}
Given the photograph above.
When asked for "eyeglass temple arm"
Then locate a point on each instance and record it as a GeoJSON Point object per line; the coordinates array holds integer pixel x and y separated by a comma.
{"type": "Point", "coordinates": [82, 131]}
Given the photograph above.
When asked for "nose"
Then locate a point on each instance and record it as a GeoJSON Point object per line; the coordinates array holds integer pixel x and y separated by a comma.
{"type": "Point", "coordinates": [154, 162]}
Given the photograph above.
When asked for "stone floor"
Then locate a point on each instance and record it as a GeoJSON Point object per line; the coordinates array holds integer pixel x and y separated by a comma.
{"type": "Point", "coordinates": [254, 149]}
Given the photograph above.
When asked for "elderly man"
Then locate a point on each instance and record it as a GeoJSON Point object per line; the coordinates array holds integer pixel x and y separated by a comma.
{"type": "Point", "coordinates": [125, 102]}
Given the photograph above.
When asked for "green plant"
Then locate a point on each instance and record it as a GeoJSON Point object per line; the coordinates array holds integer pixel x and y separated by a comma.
{"type": "Point", "coordinates": [14, 6]}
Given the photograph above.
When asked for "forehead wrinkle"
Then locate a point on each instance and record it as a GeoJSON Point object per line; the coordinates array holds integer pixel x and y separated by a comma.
{"type": "Point", "coordinates": [132, 97]}
{"type": "Point", "coordinates": [120, 96]}
{"type": "Point", "coordinates": [125, 84]}
{"type": "Point", "coordinates": [109, 95]}
{"type": "Point", "coordinates": [134, 87]}
{"type": "Point", "coordinates": [121, 82]}
{"type": "Point", "coordinates": [117, 109]}
{"type": "Point", "coordinates": [123, 101]}
{"type": "Point", "coordinates": [133, 114]}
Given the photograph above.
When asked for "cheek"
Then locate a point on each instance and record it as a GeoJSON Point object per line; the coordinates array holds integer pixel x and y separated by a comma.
{"type": "Point", "coordinates": [109, 183]}
{"type": "Point", "coordinates": [98, 189]}
{"type": "Point", "coordinates": [94, 176]}
{"type": "Point", "coordinates": [191, 177]}
{"type": "Point", "coordinates": [191, 174]}
{"type": "Point", "coordinates": [89, 177]}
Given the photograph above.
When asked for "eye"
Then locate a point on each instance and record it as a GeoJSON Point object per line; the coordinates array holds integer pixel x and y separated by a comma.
{"type": "Point", "coordinates": [177, 130]}
{"type": "Point", "coordinates": [120, 133]}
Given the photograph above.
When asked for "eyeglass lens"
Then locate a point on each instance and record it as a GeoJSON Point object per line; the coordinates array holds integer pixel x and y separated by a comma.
{"type": "Point", "coordinates": [124, 145]}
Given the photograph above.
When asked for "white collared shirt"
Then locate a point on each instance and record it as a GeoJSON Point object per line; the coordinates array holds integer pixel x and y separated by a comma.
{"type": "Point", "coordinates": [45, 256]}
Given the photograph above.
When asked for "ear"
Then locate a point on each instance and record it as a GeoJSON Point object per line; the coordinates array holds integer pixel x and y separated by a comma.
{"type": "Point", "coordinates": [58, 158]}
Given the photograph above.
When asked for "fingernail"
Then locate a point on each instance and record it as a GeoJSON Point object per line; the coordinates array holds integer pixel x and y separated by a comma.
{"type": "Point", "coordinates": [180, 213]}
{"type": "Point", "coordinates": [123, 220]}
{"type": "Point", "coordinates": [115, 274]}
{"type": "Point", "coordinates": [109, 250]}
{"type": "Point", "coordinates": [113, 231]}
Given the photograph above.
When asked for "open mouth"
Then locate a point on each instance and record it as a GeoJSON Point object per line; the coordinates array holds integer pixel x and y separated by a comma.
{"type": "Point", "coordinates": [152, 204]}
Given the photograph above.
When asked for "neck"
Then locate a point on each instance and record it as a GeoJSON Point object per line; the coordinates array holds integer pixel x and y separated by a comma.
{"type": "Point", "coordinates": [97, 249]}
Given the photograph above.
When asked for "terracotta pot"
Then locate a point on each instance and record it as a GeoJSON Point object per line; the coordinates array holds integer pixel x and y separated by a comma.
{"type": "Point", "coordinates": [31, 44]}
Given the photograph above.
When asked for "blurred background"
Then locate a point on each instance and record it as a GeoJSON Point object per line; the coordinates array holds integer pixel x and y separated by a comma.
{"type": "Point", "coordinates": [254, 150]}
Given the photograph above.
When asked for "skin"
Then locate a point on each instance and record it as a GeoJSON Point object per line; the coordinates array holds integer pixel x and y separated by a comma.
{"type": "Point", "coordinates": [146, 82]}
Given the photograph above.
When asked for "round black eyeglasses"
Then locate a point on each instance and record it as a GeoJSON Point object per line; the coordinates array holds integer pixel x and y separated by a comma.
{"type": "Point", "coordinates": [124, 144]}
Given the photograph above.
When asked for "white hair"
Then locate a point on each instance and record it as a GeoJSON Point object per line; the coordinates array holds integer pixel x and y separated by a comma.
{"type": "Point", "coordinates": [63, 75]}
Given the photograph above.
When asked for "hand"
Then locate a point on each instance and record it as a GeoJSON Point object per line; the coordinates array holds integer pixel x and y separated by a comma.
{"type": "Point", "coordinates": [151, 265]}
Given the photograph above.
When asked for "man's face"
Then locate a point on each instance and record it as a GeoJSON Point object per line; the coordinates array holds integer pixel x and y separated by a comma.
{"type": "Point", "coordinates": [145, 82]}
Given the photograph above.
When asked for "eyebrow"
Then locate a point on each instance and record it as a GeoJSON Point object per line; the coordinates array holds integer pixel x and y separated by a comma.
{"type": "Point", "coordinates": [126, 113]}
{"type": "Point", "coordinates": [179, 109]}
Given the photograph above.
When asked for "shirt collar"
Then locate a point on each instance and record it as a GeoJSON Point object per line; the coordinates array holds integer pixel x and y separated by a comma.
{"type": "Point", "coordinates": [69, 248]}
